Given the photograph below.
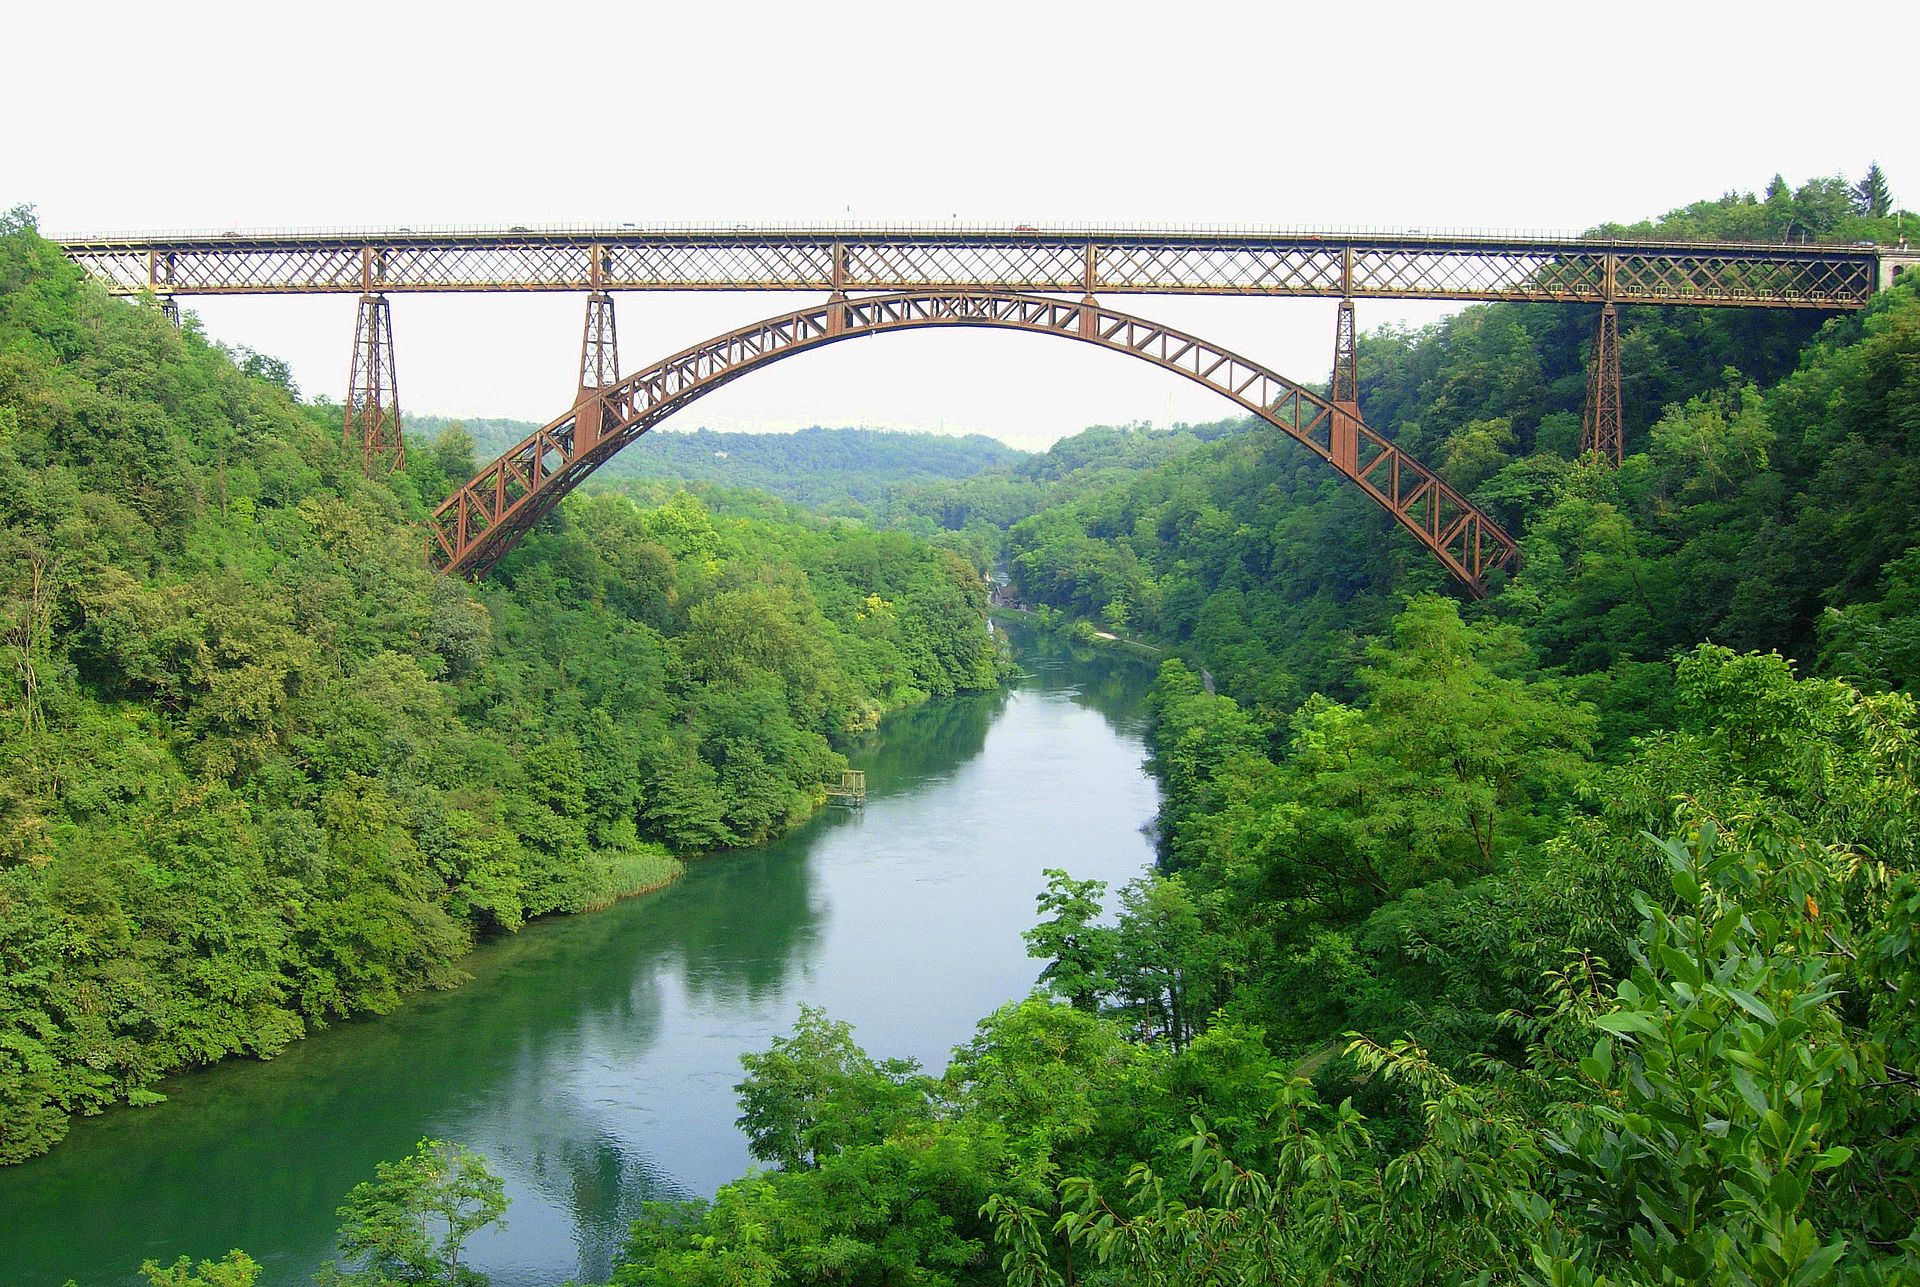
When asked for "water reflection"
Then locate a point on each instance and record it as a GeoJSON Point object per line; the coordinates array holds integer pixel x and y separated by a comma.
{"type": "Point", "coordinates": [593, 1059]}
{"type": "Point", "coordinates": [1109, 678]}
{"type": "Point", "coordinates": [926, 742]}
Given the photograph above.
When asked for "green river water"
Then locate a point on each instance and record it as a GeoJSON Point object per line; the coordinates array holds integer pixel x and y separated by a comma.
{"type": "Point", "coordinates": [592, 1058]}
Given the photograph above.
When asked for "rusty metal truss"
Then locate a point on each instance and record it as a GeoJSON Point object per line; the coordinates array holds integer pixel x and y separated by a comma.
{"type": "Point", "coordinates": [480, 522]}
{"type": "Point", "coordinates": [599, 345]}
{"type": "Point", "coordinates": [599, 363]}
{"type": "Point", "coordinates": [1603, 429]}
{"type": "Point", "coordinates": [1343, 390]}
{"type": "Point", "coordinates": [1329, 265]}
{"type": "Point", "coordinates": [373, 394]}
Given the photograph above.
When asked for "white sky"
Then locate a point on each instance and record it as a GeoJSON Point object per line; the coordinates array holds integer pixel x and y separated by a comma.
{"type": "Point", "coordinates": [1436, 115]}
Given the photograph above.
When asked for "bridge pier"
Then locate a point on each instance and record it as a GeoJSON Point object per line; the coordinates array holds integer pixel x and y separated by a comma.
{"type": "Point", "coordinates": [170, 309]}
{"type": "Point", "coordinates": [599, 355]}
{"type": "Point", "coordinates": [599, 368]}
{"type": "Point", "coordinates": [1344, 389]}
{"type": "Point", "coordinates": [1603, 430]}
{"type": "Point", "coordinates": [373, 398]}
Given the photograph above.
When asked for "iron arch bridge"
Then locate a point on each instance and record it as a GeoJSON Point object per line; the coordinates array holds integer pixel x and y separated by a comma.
{"type": "Point", "coordinates": [481, 521]}
{"type": "Point", "coordinates": [971, 276]}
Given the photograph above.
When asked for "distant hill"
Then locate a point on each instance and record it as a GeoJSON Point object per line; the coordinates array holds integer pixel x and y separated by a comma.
{"type": "Point", "coordinates": [832, 469]}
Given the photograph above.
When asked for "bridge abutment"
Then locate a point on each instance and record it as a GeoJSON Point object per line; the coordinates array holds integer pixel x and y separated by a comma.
{"type": "Point", "coordinates": [1896, 264]}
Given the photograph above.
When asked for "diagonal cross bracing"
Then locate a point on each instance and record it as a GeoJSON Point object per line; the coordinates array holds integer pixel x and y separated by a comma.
{"type": "Point", "coordinates": [1329, 265]}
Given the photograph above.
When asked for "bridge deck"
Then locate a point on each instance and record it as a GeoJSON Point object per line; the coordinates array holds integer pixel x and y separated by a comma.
{"type": "Point", "coordinates": [1098, 261]}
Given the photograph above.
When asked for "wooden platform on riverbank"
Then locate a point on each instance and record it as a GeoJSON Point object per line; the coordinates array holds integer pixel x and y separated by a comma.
{"type": "Point", "coordinates": [852, 791]}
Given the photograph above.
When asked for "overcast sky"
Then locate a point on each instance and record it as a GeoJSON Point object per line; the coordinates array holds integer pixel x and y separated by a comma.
{"type": "Point", "coordinates": [1437, 115]}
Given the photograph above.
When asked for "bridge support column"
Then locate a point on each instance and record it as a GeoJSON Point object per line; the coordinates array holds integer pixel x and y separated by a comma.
{"type": "Point", "coordinates": [170, 309]}
{"type": "Point", "coordinates": [1344, 388]}
{"type": "Point", "coordinates": [1343, 391]}
{"type": "Point", "coordinates": [1603, 431]}
{"type": "Point", "coordinates": [599, 368]}
{"type": "Point", "coordinates": [599, 345]}
{"type": "Point", "coordinates": [373, 398]}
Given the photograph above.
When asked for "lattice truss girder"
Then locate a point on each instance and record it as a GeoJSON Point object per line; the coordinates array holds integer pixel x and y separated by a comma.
{"type": "Point", "coordinates": [1306, 265]}
{"type": "Point", "coordinates": [481, 521]}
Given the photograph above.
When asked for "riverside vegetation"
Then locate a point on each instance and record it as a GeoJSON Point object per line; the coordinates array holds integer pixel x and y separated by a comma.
{"type": "Point", "coordinates": [1566, 938]}
{"type": "Point", "coordinates": [262, 770]}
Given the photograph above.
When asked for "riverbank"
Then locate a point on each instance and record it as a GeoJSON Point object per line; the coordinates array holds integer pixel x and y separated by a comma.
{"type": "Point", "coordinates": [603, 879]}
{"type": "Point", "coordinates": [629, 875]}
{"type": "Point", "coordinates": [1076, 629]}
{"type": "Point", "coordinates": [592, 1059]}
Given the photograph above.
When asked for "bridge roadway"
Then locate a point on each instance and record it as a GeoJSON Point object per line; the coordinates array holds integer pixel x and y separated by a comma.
{"type": "Point", "coordinates": [1081, 260]}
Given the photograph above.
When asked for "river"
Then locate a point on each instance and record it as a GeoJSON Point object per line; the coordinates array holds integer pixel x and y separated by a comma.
{"type": "Point", "coordinates": [592, 1059]}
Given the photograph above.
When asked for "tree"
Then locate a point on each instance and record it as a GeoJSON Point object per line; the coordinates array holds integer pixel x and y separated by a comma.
{"type": "Point", "coordinates": [235, 1269]}
{"type": "Point", "coordinates": [1870, 196]}
{"type": "Point", "coordinates": [1820, 205]}
{"type": "Point", "coordinates": [1471, 745]}
{"type": "Point", "coordinates": [1779, 209]}
{"type": "Point", "coordinates": [816, 1093]}
{"type": "Point", "coordinates": [1079, 953]}
{"type": "Point", "coordinates": [698, 1244]}
{"type": "Point", "coordinates": [410, 1223]}
{"type": "Point", "coordinates": [1732, 1075]}
{"type": "Point", "coordinates": [1160, 958]}
{"type": "Point", "coordinates": [453, 452]}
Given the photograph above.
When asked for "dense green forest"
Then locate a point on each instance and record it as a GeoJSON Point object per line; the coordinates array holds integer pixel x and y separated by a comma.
{"type": "Point", "coordinates": [261, 770]}
{"type": "Point", "coordinates": [837, 471]}
{"type": "Point", "coordinates": [1562, 938]}
{"type": "Point", "coordinates": [960, 493]}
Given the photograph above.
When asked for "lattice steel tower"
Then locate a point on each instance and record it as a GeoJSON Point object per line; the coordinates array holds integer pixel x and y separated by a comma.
{"type": "Point", "coordinates": [373, 397]}
{"type": "Point", "coordinates": [1604, 431]}
{"type": "Point", "coordinates": [1344, 390]}
{"type": "Point", "coordinates": [599, 347]}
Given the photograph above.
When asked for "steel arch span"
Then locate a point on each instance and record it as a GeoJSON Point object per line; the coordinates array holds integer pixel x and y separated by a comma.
{"type": "Point", "coordinates": [481, 521]}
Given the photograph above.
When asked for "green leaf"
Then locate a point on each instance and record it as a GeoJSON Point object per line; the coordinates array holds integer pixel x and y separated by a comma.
{"type": "Point", "coordinates": [1599, 1065]}
{"type": "Point", "coordinates": [1749, 1090]}
{"type": "Point", "coordinates": [1626, 1022]}
{"type": "Point", "coordinates": [1753, 1005]}
{"type": "Point", "coordinates": [1835, 1156]}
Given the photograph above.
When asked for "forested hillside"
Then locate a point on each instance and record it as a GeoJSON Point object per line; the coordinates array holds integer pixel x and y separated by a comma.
{"type": "Point", "coordinates": [962, 493]}
{"type": "Point", "coordinates": [838, 471]}
{"type": "Point", "coordinates": [261, 770]}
